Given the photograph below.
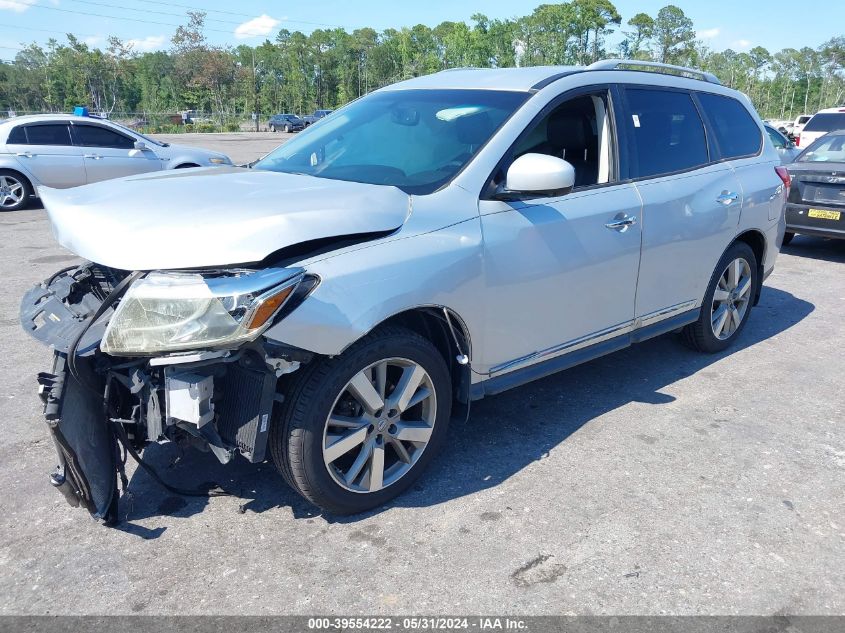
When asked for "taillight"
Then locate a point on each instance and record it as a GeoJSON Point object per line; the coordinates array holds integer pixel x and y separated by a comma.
{"type": "Point", "coordinates": [783, 172]}
{"type": "Point", "coordinates": [797, 141]}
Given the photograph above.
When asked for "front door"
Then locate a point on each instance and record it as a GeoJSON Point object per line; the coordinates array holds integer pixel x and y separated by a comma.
{"type": "Point", "coordinates": [109, 154]}
{"type": "Point", "coordinates": [562, 271]}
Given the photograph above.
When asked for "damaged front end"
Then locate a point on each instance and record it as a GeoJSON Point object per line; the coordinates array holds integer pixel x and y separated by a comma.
{"type": "Point", "coordinates": [161, 356]}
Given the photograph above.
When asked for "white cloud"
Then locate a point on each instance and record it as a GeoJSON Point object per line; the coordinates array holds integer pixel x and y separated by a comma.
{"type": "Point", "coordinates": [709, 34]}
{"type": "Point", "coordinates": [149, 43]}
{"type": "Point", "coordinates": [256, 27]}
{"type": "Point", "coordinates": [93, 40]}
{"type": "Point", "coordinates": [18, 6]}
{"type": "Point", "coordinates": [741, 44]}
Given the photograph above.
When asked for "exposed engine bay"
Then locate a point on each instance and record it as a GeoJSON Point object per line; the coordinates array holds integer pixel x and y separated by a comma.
{"type": "Point", "coordinates": [99, 406]}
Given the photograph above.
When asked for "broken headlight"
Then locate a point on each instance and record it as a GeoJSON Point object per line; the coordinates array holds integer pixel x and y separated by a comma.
{"type": "Point", "coordinates": [169, 312]}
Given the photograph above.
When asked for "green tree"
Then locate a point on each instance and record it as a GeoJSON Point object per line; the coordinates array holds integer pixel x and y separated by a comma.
{"type": "Point", "coordinates": [674, 35]}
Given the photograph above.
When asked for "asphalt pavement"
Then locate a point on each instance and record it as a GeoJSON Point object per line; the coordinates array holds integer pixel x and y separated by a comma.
{"type": "Point", "coordinates": [653, 481]}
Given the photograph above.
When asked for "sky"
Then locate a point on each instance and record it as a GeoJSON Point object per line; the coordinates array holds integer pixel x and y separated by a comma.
{"type": "Point", "coordinates": [149, 24]}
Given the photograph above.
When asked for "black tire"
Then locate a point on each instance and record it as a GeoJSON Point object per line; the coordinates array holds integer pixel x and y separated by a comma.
{"type": "Point", "coordinates": [700, 335]}
{"type": "Point", "coordinates": [787, 238]}
{"type": "Point", "coordinates": [19, 179]}
{"type": "Point", "coordinates": [186, 166]}
{"type": "Point", "coordinates": [287, 129]}
{"type": "Point", "coordinates": [273, 128]}
{"type": "Point", "coordinates": [296, 437]}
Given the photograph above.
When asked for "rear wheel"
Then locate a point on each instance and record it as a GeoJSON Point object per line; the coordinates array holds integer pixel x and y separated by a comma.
{"type": "Point", "coordinates": [356, 430]}
{"type": "Point", "coordinates": [787, 238]}
{"type": "Point", "coordinates": [287, 129]}
{"type": "Point", "coordinates": [728, 301]}
{"type": "Point", "coordinates": [15, 191]}
{"type": "Point", "coordinates": [272, 128]}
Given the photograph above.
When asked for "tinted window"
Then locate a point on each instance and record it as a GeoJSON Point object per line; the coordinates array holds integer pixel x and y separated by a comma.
{"type": "Point", "coordinates": [97, 136]}
{"type": "Point", "coordinates": [667, 132]}
{"type": "Point", "coordinates": [778, 140]}
{"type": "Point", "coordinates": [735, 130]}
{"type": "Point", "coordinates": [826, 122]}
{"type": "Point", "coordinates": [17, 135]}
{"type": "Point", "coordinates": [48, 134]}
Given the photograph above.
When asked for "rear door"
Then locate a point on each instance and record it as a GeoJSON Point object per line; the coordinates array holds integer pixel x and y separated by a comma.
{"type": "Point", "coordinates": [45, 151]}
{"type": "Point", "coordinates": [691, 204]}
{"type": "Point", "coordinates": [109, 154]}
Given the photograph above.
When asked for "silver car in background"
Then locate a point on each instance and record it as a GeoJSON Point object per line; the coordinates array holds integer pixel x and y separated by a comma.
{"type": "Point", "coordinates": [786, 149]}
{"type": "Point", "coordinates": [432, 243]}
{"type": "Point", "coordinates": [63, 150]}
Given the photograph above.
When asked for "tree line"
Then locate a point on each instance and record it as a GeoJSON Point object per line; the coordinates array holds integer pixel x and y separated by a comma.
{"type": "Point", "coordinates": [299, 72]}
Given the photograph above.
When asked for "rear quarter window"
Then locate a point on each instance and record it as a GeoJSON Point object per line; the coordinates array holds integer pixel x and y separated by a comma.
{"type": "Point", "coordinates": [733, 126]}
{"type": "Point", "coordinates": [826, 122]}
{"type": "Point", "coordinates": [17, 136]}
{"type": "Point", "coordinates": [667, 132]}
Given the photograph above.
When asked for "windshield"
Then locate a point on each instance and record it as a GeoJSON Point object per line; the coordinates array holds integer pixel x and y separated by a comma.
{"type": "Point", "coordinates": [826, 122]}
{"type": "Point", "coordinates": [828, 149]}
{"type": "Point", "coordinates": [416, 140]}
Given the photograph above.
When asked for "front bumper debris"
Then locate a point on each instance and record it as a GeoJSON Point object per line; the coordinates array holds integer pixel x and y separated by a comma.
{"type": "Point", "coordinates": [218, 401]}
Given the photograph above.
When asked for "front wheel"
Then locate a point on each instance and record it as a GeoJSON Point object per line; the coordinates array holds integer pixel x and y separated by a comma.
{"type": "Point", "coordinates": [727, 302]}
{"type": "Point", "coordinates": [272, 128]}
{"type": "Point", "coordinates": [356, 430]}
{"type": "Point", "coordinates": [787, 238]}
{"type": "Point", "coordinates": [287, 129]}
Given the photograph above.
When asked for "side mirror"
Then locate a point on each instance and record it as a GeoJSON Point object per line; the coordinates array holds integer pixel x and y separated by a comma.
{"type": "Point", "coordinates": [140, 145]}
{"type": "Point", "coordinates": [539, 174]}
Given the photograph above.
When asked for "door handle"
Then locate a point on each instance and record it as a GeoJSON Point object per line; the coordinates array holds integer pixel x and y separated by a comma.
{"type": "Point", "coordinates": [25, 154]}
{"type": "Point", "coordinates": [622, 224]}
{"type": "Point", "coordinates": [727, 197]}
{"type": "Point", "coordinates": [94, 156]}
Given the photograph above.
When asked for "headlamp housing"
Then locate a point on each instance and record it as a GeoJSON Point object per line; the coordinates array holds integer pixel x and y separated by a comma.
{"type": "Point", "coordinates": [177, 311]}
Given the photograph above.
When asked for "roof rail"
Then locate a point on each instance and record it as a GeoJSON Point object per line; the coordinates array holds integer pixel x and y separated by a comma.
{"type": "Point", "coordinates": [654, 67]}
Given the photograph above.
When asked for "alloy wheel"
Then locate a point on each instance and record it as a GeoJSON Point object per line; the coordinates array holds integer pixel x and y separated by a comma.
{"type": "Point", "coordinates": [379, 425]}
{"type": "Point", "coordinates": [731, 299]}
{"type": "Point", "coordinates": [12, 192]}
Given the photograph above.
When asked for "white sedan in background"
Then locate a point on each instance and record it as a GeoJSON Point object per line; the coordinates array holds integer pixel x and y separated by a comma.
{"type": "Point", "coordinates": [63, 150]}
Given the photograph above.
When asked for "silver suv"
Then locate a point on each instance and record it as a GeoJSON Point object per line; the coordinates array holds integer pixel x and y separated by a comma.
{"type": "Point", "coordinates": [437, 241]}
{"type": "Point", "coordinates": [64, 150]}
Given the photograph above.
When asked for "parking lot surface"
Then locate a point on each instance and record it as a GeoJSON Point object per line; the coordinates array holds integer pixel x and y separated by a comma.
{"type": "Point", "coordinates": [241, 147]}
{"type": "Point", "coordinates": [653, 481]}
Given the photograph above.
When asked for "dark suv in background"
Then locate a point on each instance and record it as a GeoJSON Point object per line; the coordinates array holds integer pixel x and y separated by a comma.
{"type": "Point", "coordinates": [313, 118]}
{"type": "Point", "coordinates": [285, 123]}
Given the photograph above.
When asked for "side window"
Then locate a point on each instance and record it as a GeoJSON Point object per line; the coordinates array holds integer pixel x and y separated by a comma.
{"type": "Point", "coordinates": [578, 131]}
{"type": "Point", "coordinates": [57, 134]}
{"type": "Point", "coordinates": [777, 140]}
{"type": "Point", "coordinates": [17, 136]}
{"type": "Point", "coordinates": [735, 130]}
{"type": "Point", "coordinates": [667, 132]}
{"type": "Point", "coordinates": [98, 136]}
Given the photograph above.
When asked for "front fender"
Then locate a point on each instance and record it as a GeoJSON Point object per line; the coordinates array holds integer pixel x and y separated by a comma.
{"type": "Point", "coordinates": [362, 288]}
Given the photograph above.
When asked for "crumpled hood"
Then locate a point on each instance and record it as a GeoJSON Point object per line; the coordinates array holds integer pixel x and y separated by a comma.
{"type": "Point", "coordinates": [213, 217]}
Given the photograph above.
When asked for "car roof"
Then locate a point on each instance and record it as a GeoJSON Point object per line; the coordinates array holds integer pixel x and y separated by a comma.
{"type": "Point", "coordinates": [46, 118]}
{"type": "Point", "coordinates": [512, 79]}
{"type": "Point", "coordinates": [839, 110]}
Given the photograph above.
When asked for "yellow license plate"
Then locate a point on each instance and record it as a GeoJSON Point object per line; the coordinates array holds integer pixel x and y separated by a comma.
{"type": "Point", "coordinates": [823, 214]}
